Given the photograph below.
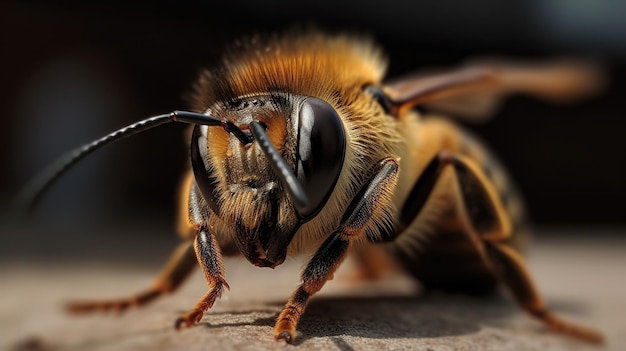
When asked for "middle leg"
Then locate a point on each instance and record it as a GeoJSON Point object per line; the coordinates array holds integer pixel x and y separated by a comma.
{"type": "Point", "coordinates": [180, 264]}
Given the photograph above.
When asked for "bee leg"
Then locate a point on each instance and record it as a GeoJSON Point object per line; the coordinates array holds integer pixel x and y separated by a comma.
{"type": "Point", "coordinates": [181, 263]}
{"type": "Point", "coordinates": [210, 259]}
{"type": "Point", "coordinates": [173, 274]}
{"type": "Point", "coordinates": [333, 251]}
{"type": "Point", "coordinates": [373, 262]}
{"type": "Point", "coordinates": [207, 252]}
{"type": "Point", "coordinates": [512, 271]}
{"type": "Point", "coordinates": [489, 228]}
{"type": "Point", "coordinates": [422, 189]}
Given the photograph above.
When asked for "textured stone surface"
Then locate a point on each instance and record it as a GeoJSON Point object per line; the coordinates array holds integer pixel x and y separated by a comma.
{"type": "Point", "coordinates": [582, 278]}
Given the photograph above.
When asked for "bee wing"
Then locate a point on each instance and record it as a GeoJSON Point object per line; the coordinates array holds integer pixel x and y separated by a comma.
{"type": "Point", "coordinates": [475, 90]}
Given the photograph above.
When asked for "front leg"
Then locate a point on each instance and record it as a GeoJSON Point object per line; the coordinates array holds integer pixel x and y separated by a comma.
{"type": "Point", "coordinates": [208, 255]}
{"type": "Point", "coordinates": [210, 259]}
{"type": "Point", "coordinates": [333, 251]}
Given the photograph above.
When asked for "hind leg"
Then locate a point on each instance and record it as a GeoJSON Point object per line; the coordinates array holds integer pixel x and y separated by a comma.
{"type": "Point", "coordinates": [489, 228]}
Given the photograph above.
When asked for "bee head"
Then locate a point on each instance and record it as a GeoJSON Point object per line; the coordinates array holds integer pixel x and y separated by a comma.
{"type": "Point", "coordinates": [277, 174]}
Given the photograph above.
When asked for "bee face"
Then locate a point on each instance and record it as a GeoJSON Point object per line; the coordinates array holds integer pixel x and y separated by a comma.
{"type": "Point", "coordinates": [308, 93]}
{"type": "Point", "coordinates": [240, 183]}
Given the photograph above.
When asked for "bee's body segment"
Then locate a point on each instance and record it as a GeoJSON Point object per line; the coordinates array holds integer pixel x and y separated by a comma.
{"type": "Point", "coordinates": [316, 155]}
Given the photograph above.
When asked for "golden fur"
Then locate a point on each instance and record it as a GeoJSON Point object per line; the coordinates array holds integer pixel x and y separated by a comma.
{"type": "Point", "coordinates": [332, 68]}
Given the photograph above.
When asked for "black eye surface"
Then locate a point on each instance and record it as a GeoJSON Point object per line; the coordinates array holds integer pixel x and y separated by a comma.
{"type": "Point", "coordinates": [321, 151]}
{"type": "Point", "coordinates": [380, 97]}
{"type": "Point", "coordinates": [201, 168]}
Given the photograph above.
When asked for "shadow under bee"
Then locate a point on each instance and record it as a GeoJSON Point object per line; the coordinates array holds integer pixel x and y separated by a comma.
{"type": "Point", "coordinates": [431, 315]}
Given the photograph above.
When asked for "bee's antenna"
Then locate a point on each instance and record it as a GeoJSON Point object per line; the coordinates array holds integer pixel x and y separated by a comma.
{"type": "Point", "coordinates": [282, 170]}
{"type": "Point", "coordinates": [244, 138]}
{"type": "Point", "coordinates": [33, 192]}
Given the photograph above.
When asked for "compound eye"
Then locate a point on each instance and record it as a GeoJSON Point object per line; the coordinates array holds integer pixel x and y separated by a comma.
{"type": "Point", "coordinates": [321, 151]}
{"type": "Point", "coordinates": [202, 169]}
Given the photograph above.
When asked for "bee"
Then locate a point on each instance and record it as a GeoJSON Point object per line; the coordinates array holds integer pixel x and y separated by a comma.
{"type": "Point", "coordinates": [300, 147]}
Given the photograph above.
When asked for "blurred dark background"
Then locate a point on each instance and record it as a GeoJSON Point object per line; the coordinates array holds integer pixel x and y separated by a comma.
{"type": "Point", "coordinates": [74, 71]}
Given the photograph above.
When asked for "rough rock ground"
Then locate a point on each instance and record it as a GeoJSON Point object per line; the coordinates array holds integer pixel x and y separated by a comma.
{"type": "Point", "coordinates": [582, 278]}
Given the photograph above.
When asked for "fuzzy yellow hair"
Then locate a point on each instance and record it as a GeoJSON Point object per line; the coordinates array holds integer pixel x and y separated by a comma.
{"type": "Point", "coordinates": [334, 68]}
